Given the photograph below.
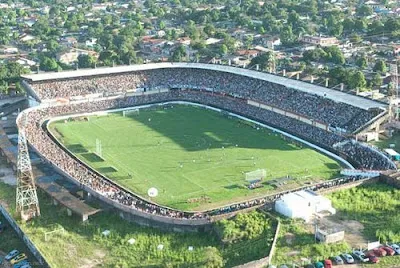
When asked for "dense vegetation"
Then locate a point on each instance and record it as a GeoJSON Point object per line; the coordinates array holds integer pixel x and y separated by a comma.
{"type": "Point", "coordinates": [243, 227]}
{"type": "Point", "coordinates": [296, 243]}
{"type": "Point", "coordinates": [375, 206]}
{"type": "Point", "coordinates": [83, 243]}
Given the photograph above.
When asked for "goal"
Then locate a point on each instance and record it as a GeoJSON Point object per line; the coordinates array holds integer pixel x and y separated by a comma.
{"type": "Point", "coordinates": [255, 175]}
{"type": "Point", "coordinates": [126, 113]}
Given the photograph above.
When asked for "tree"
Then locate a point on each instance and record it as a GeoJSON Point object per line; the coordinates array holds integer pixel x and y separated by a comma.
{"type": "Point", "coordinates": [287, 37]}
{"type": "Point", "coordinates": [48, 64]}
{"type": "Point", "coordinates": [362, 62]}
{"type": "Point", "coordinates": [376, 80]}
{"type": "Point", "coordinates": [162, 25]}
{"type": "Point", "coordinates": [212, 258]}
{"type": "Point", "coordinates": [364, 11]}
{"type": "Point", "coordinates": [264, 61]}
{"type": "Point", "coordinates": [179, 54]}
{"type": "Point", "coordinates": [355, 38]}
{"type": "Point", "coordinates": [223, 49]}
{"type": "Point", "coordinates": [86, 61]}
{"type": "Point", "coordinates": [209, 29]}
{"type": "Point", "coordinates": [108, 57]}
{"type": "Point", "coordinates": [357, 80]}
{"type": "Point", "coordinates": [335, 55]}
{"type": "Point", "coordinates": [380, 66]}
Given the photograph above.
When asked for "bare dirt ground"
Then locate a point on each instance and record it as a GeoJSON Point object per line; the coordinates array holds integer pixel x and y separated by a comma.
{"type": "Point", "coordinates": [95, 261]}
{"type": "Point", "coordinates": [6, 173]}
{"type": "Point", "coordinates": [353, 230]}
{"type": "Point", "coordinates": [4, 264]}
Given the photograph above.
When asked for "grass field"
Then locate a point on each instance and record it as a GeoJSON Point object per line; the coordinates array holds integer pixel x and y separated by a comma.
{"type": "Point", "coordinates": [188, 152]}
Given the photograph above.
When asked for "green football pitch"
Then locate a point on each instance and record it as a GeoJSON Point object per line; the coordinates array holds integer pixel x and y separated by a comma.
{"type": "Point", "coordinates": [189, 153]}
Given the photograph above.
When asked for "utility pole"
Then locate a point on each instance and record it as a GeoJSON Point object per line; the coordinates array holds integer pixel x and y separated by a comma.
{"type": "Point", "coordinates": [393, 101]}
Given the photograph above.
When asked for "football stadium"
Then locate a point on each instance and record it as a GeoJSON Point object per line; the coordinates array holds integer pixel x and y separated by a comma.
{"type": "Point", "coordinates": [185, 144]}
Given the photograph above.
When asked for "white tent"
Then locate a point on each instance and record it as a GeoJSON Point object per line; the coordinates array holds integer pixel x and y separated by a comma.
{"type": "Point", "coordinates": [303, 204]}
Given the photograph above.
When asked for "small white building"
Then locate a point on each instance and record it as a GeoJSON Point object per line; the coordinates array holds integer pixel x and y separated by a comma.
{"type": "Point", "coordinates": [303, 204]}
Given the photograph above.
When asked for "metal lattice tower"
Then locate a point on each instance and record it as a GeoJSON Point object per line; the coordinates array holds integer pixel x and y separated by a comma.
{"type": "Point", "coordinates": [395, 94]}
{"type": "Point", "coordinates": [27, 200]}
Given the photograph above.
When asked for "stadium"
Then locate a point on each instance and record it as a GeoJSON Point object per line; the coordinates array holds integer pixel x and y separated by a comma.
{"type": "Point", "coordinates": [229, 130]}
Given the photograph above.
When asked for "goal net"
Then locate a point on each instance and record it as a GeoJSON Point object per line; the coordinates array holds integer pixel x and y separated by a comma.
{"type": "Point", "coordinates": [255, 175]}
{"type": "Point", "coordinates": [130, 112]}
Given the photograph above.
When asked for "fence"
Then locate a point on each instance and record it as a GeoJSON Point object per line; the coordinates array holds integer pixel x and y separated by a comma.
{"type": "Point", "coordinates": [35, 252]}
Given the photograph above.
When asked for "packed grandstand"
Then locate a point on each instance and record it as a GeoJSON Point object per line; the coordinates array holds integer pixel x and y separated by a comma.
{"type": "Point", "coordinates": [227, 91]}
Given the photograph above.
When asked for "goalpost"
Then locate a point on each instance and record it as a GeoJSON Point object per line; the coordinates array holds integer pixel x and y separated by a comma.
{"type": "Point", "coordinates": [126, 113]}
{"type": "Point", "coordinates": [254, 175]}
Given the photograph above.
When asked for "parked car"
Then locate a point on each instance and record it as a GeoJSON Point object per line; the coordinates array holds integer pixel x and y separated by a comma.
{"type": "Point", "coordinates": [319, 265]}
{"type": "Point", "coordinates": [396, 248]}
{"type": "Point", "coordinates": [21, 264]}
{"type": "Point", "coordinates": [328, 264]}
{"type": "Point", "coordinates": [338, 260]}
{"type": "Point", "coordinates": [26, 266]}
{"type": "Point", "coordinates": [309, 266]}
{"type": "Point", "coordinates": [359, 255]}
{"type": "Point", "coordinates": [389, 251]}
{"type": "Point", "coordinates": [18, 258]}
{"type": "Point", "coordinates": [379, 252]}
{"type": "Point", "coordinates": [372, 258]}
{"type": "Point", "coordinates": [347, 258]}
{"type": "Point", "coordinates": [11, 255]}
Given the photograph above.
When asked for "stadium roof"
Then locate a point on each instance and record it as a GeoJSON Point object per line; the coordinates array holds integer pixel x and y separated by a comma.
{"type": "Point", "coordinates": [332, 94]}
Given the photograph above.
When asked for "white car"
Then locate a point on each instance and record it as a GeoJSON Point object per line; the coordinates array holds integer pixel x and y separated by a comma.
{"type": "Point", "coordinates": [347, 258]}
{"type": "Point", "coordinates": [358, 254]}
{"type": "Point", "coordinates": [11, 255]}
{"type": "Point", "coordinates": [396, 248]}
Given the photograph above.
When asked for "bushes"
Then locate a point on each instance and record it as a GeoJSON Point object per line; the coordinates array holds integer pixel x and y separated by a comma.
{"type": "Point", "coordinates": [244, 226]}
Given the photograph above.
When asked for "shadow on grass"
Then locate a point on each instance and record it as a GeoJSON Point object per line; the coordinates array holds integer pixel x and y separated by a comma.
{"type": "Point", "coordinates": [205, 129]}
{"type": "Point", "coordinates": [106, 169]}
{"type": "Point", "coordinates": [92, 157]}
{"type": "Point", "coordinates": [77, 148]}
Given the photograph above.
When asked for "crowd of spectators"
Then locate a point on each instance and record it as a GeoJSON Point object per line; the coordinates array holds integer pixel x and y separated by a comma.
{"type": "Point", "coordinates": [366, 156]}
{"type": "Point", "coordinates": [39, 137]}
{"type": "Point", "coordinates": [321, 109]}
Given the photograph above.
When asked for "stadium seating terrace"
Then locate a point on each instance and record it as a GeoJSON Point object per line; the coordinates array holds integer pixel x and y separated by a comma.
{"type": "Point", "coordinates": [318, 108]}
{"type": "Point", "coordinates": [227, 91]}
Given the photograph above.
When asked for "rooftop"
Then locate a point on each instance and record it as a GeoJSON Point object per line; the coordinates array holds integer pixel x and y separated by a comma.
{"type": "Point", "coordinates": [332, 94]}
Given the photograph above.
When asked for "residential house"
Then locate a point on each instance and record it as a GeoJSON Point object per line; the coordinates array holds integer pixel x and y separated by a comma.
{"type": "Point", "coordinates": [91, 42]}
{"type": "Point", "coordinates": [9, 50]}
{"type": "Point", "coordinates": [320, 40]}
{"type": "Point", "coordinates": [26, 63]}
{"type": "Point", "coordinates": [72, 55]}
{"type": "Point", "coordinates": [26, 38]}
{"type": "Point", "coordinates": [69, 41]}
{"type": "Point", "coordinates": [248, 53]}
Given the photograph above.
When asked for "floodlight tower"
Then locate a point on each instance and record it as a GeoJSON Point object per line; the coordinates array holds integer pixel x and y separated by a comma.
{"type": "Point", "coordinates": [26, 198]}
{"type": "Point", "coordinates": [393, 105]}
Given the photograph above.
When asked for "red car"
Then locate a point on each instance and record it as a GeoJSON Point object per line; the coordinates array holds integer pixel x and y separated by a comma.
{"type": "Point", "coordinates": [379, 252]}
{"type": "Point", "coordinates": [389, 251]}
{"type": "Point", "coordinates": [372, 258]}
{"type": "Point", "coordinates": [328, 264]}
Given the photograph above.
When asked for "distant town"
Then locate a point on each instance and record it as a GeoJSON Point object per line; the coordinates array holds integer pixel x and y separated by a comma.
{"type": "Point", "coordinates": [347, 45]}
